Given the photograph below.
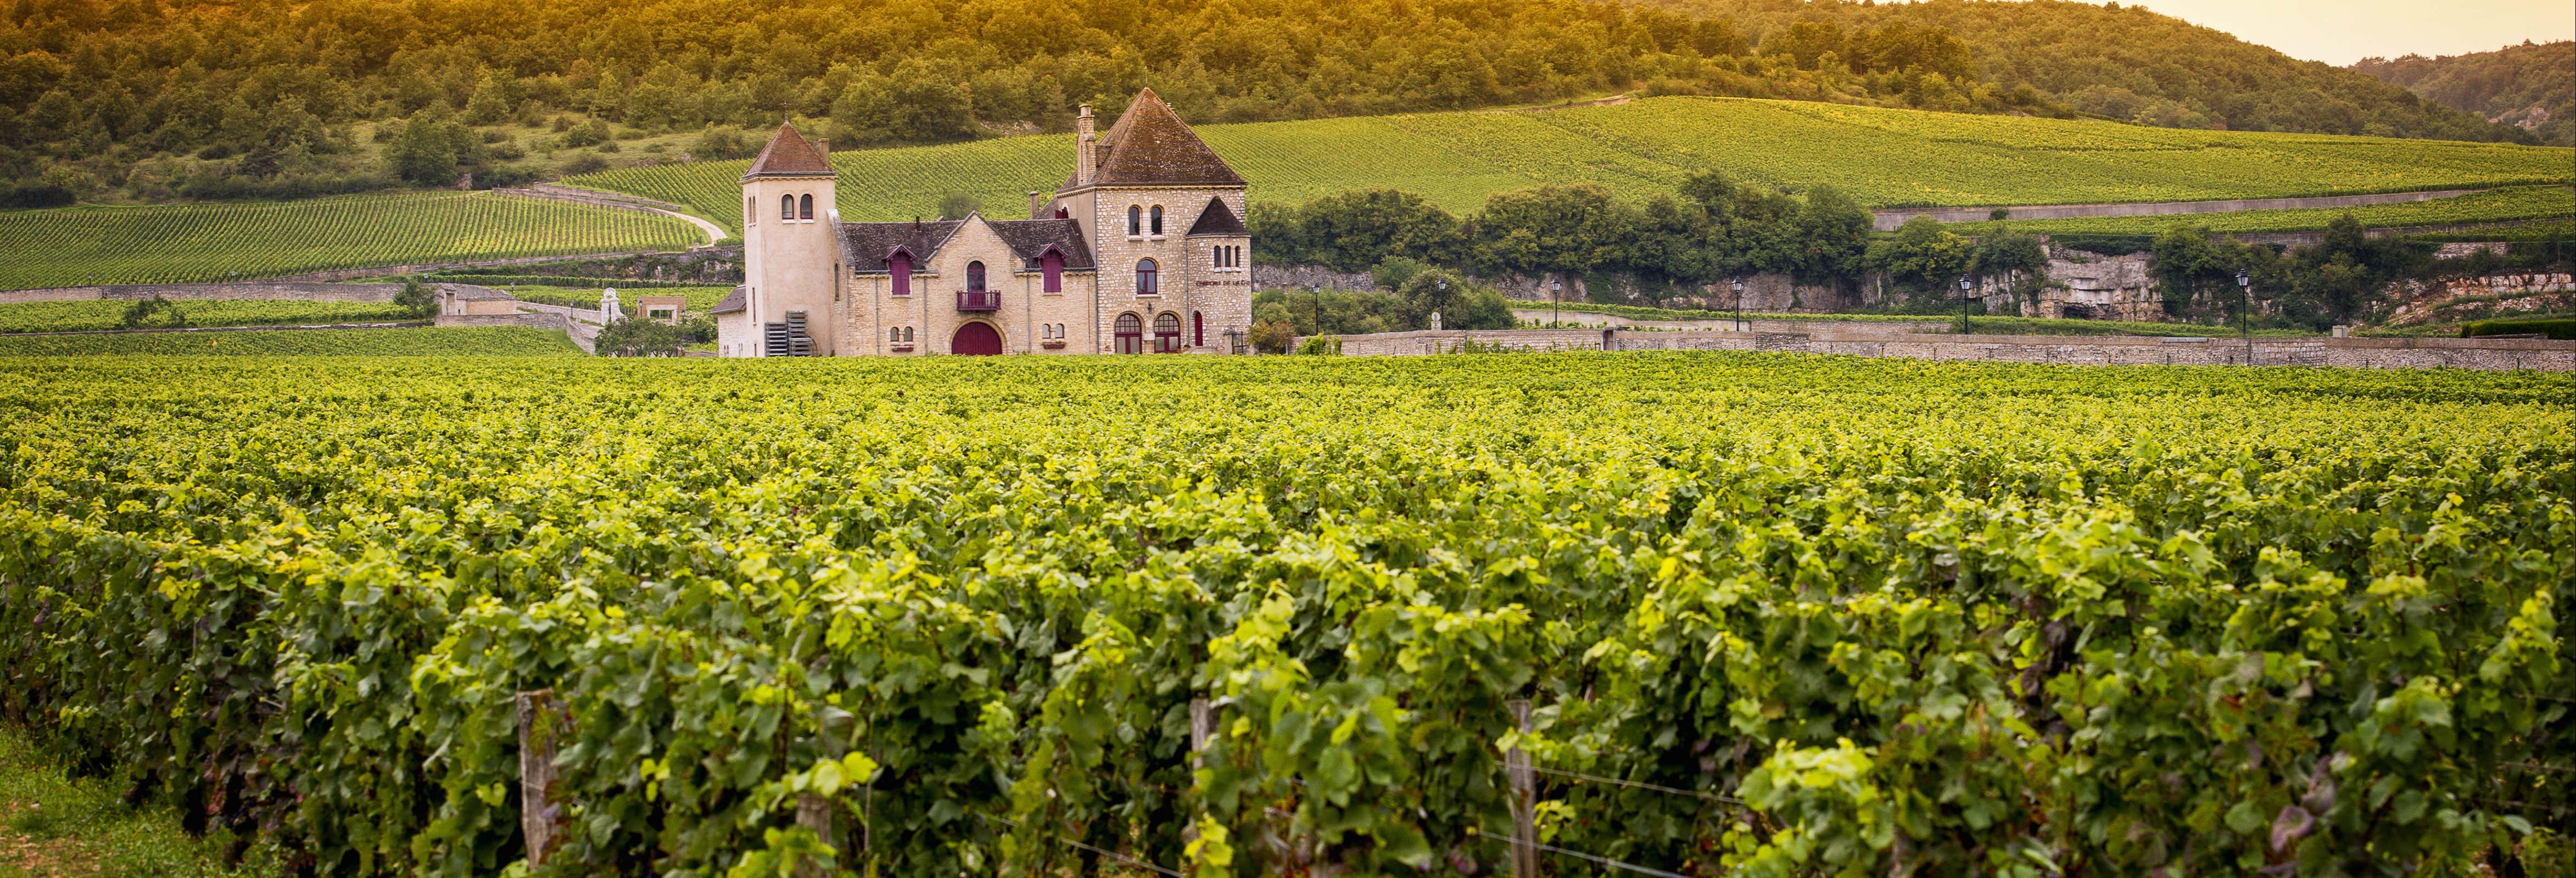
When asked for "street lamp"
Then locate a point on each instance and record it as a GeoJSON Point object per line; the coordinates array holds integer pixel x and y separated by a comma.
{"type": "Point", "coordinates": [1739, 302]}
{"type": "Point", "coordinates": [2245, 295]}
{"type": "Point", "coordinates": [1317, 290]}
{"type": "Point", "coordinates": [1443, 301]}
{"type": "Point", "coordinates": [1964, 286]}
{"type": "Point", "coordinates": [1555, 301]}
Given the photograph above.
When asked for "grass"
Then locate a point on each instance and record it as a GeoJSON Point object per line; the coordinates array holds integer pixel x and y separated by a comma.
{"type": "Point", "coordinates": [1883, 157]}
{"type": "Point", "coordinates": [110, 313]}
{"type": "Point", "coordinates": [478, 341]}
{"type": "Point", "coordinates": [184, 243]}
{"type": "Point", "coordinates": [54, 827]}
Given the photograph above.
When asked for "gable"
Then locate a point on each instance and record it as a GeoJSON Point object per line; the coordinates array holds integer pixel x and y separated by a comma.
{"type": "Point", "coordinates": [1151, 146]}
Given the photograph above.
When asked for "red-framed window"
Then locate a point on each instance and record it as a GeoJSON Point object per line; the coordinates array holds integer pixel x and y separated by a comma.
{"type": "Point", "coordinates": [1198, 329]}
{"type": "Point", "coordinates": [975, 276]}
{"type": "Point", "coordinates": [1149, 281]}
{"type": "Point", "coordinates": [1167, 333]}
{"type": "Point", "coordinates": [1131, 334]}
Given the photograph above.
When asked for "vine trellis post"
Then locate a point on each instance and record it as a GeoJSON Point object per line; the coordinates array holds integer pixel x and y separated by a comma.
{"type": "Point", "coordinates": [1516, 764]}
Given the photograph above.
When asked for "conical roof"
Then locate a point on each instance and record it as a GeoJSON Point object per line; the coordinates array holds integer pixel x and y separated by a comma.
{"type": "Point", "coordinates": [788, 154]}
{"type": "Point", "coordinates": [1217, 219]}
{"type": "Point", "coordinates": [1151, 146]}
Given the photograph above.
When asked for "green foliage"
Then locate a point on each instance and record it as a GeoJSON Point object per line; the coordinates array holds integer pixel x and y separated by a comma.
{"type": "Point", "coordinates": [432, 148]}
{"type": "Point", "coordinates": [213, 242]}
{"type": "Point", "coordinates": [1321, 345]}
{"type": "Point", "coordinates": [481, 341]}
{"type": "Point", "coordinates": [957, 205]}
{"type": "Point", "coordinates": [1879, 157]}
{"type": "Point", "coordinates": [95, 314]}
{"type": "Point", "coordinates": [1273, 336]}
{"type": "Point", "coordinates": [2510, 204]}
{"type": "Point", "coordinates": [635, 337]}
{"type": "Point", "coordinates": [1952, 618]}
{"type": "Point", "coordinates": [721, 143]}
{"type": "Point", "coordinates": [152, 313]}
{"type": "Point", "coordinates": [416, 299]}
{"type": "Point", "coordinates": [1923, 255]}
{"type": "Point", "coordinates": [2524, 86]}
{"type": "Point", "coordinates": [2562, 330]}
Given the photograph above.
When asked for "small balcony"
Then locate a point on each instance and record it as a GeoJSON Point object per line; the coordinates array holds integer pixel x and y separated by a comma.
{"type": "Point", "coordinates": [979, 300]}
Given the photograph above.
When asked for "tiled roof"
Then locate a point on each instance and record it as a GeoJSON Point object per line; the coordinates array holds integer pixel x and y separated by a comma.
{"type": "Point", "coordinates": [733, 302]}
{"type": "Point", "coordinates": [1218, 219]}
{"type": "Point", "coordinates": [1029, 238]}
{"type": "Point", "coordinates": [788, 154]}
{"type": "Point", "coordinates": [870, 243]}
{"type": "Point", "coordinates": [1151, 146]}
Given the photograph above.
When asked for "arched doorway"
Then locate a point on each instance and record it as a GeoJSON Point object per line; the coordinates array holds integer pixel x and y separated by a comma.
{"type": "Point", "coordinates": [976, 339]}
{"type": "Point", "coordinates": [1131, 334]}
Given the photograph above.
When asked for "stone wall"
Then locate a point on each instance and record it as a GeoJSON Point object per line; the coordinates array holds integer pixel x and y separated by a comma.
{"type": "Point", "coordinates": [1299, 277]}
{"type": "Point", "coordinates": [1540, 314]}
{"type": "Point", "coordinates": [2492, 296]}
{"type": "Point", "coordinates": [287, 290]}
{"type": "Point", "coordinates": [2362, 353]}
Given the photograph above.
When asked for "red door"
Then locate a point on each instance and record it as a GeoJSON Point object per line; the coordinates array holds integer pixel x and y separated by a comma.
{"type": "Point", "coordinates": [976, 339]}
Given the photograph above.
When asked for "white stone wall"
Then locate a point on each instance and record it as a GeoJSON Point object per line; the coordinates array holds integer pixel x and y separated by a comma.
{"type": "Point", "coordinates": [733, 334]}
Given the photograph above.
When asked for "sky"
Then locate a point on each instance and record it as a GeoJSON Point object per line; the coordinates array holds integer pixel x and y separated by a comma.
{"type": "Point", "coordinates": [2343, 31]}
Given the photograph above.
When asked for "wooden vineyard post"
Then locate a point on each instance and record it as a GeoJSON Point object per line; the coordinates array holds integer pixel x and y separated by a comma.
{"type": "Point", "coordinates": [1202, 728]}
{"type": "Point", "coordinates": [541, 720]}
{"type": "Point", "coordinates": [1516, 764]}
{"type": "Point", "coordinates": [815, 813]}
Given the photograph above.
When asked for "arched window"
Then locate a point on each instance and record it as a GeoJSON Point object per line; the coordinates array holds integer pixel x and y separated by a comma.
{"type": "Point", "coordinates": [1198, 329]}
{"type": "Point", "coordinates": [894, 333]}
{"type": "Point", "coordinates": [975, 276]}
{"type": "Point", "coordinates": [1216, 257]}
{"type": "Point", "coordinates": [900, 266]}
{"type": "Point", "coordinates": [805, 207]}
{"type": "Point", "coordinates": [1135, 220]}
{"type": "Point", "coordinates": [1158, 219]}
{"type": "Point", "coordinates": [1148, 282]}
{"type": "Point", "coordinates": [1167, 333]}
{"type": "Point", "coordinates": [1131, 334]}
{"type": "Point", "coordinates": [907, 333]}
{"type": "Point", "coordinates": [787, 207]}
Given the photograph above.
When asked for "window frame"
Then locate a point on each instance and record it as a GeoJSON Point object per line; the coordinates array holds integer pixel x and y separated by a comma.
{"type": "Point", "coordinates": [975, 276]}
{"type": "Point", "coordinates": [786, 208]}
{"type": "Point", "coordinates": [1135, 221]}
{"type": "Point", "coordinates": [1156, 225]}
{"type": "Point", "coordinates": [1149, 277]}
{"type": "Point", "coordinates": [805, 208]}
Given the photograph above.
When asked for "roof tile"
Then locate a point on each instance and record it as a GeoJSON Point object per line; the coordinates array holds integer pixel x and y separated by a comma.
{"type": "Point", "coordinates": [788, 154]}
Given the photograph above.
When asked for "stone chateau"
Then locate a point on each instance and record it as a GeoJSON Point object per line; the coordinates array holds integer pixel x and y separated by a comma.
{"type": "Point", "coordinates": [1142, 250]}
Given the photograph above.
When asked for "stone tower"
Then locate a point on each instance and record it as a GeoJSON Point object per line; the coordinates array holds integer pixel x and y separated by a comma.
{"type": "Point", "coordinates": [1163, 215]}
{"type": "Point", "coordinates": [790, 248]}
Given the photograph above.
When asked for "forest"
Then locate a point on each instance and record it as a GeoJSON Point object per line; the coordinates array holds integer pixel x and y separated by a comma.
{"type": "Point", "coordinates": [2529, 86]}
{"type": "Point", "coordinates": [150, 101]}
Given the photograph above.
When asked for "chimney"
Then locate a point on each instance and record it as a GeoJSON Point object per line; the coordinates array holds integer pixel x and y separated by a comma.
{"type": "Point", "coordinates": [1086, 148]}
{"type": "Point", "coordinates": [824, 145]}
{"type": "Point", "coordinates": [1034, 204]}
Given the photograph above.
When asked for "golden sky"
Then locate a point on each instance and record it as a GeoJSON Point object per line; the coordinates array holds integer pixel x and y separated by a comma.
{"type": "Point", "coordinates": [2344, 31]}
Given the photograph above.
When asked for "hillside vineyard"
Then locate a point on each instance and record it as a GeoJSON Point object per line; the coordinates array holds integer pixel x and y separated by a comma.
{"type": "Point", "coordinates": [1867, 616]}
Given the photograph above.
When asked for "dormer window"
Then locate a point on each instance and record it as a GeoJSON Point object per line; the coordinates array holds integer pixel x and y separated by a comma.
{"type": "Point", "coordinates": [900, 267]}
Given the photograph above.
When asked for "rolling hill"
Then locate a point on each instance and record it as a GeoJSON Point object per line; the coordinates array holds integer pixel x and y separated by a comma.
{"type": "Point", "coordinates": [1883, 157]}
{"type": "Point", "coordinates": [2531, 86]}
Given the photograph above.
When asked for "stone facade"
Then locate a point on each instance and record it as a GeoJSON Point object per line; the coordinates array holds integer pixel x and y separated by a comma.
{"type": "Point", "coordinates": [1143, 247]}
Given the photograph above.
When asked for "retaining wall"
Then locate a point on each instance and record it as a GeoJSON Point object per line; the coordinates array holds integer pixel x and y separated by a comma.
{"type": "Point", "coordinates": [2360, 353]}
{"type": "Point", "coordinates": [294, 291]}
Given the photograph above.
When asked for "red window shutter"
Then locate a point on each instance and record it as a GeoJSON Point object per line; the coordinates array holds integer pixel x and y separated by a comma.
{"type": "Point", "coordinates": [901, 266]}
{"type": "Point", "coordinates": [1053, 267]}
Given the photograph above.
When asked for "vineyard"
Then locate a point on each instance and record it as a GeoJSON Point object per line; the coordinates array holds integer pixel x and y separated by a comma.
{"type": "Point", "coordinates": [211, 242]}
{"type": "Point", "coordinates": [701, 299]}
{"type": "Point", "coordinates": [1884, 157]}
{"type": "Point", "coordinates": [476, 341]}
{"type": "Point", "coordinates": [95, 314]}
{"type": "Point", "coordinates": [1774, 615]}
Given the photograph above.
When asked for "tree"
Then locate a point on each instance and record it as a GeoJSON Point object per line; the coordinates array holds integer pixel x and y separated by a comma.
{"type": "Point", "coordinates": [416, 299]}
{"type": "Point", "coordinates": [1922, 256]}
{"type": "Point", "coordinates": [639, 338]}
{"type": "Point", "coordinates": [154, 313]}
{"type": "Point", "coordinates": [1552, 229]}
{"type": "Point", "coordinates": [432, 148]}
{"type": "Point", "coordinates": [1273, 336]}
{"type": "Point", "coordinates": [1355, 231]}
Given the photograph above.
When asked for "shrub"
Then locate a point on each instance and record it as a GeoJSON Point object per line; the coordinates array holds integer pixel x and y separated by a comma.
{"type": "Point", "coordinates": [2562, 330]}
{"type": "Point", "coordinates": [154, 313]}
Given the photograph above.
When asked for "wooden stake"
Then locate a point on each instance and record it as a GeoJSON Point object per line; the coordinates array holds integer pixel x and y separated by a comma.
{"type": "Point", "coordinates": [1516, 764]}
{"type": "Point", "coordinates": [541, 720]}
{"type": "Point", "coordinates": [1202, 728]}
{"type": "Point", "coordinates": [814, 812]}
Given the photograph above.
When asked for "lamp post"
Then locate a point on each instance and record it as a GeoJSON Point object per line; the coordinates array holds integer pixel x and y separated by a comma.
{"type": "Point", "coordinates": [2245, 295]}
{"type": "Point", "coordinates": [1317, 290]}
{"type": "Point", "coordinates": [1738, 282]}
{"type": "Point", "coordinates": [1964, 286]}
{"type": "Point", "coordinates": [1442, 299]}
{"type": "Point", "coordinates": [1555, 301]}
